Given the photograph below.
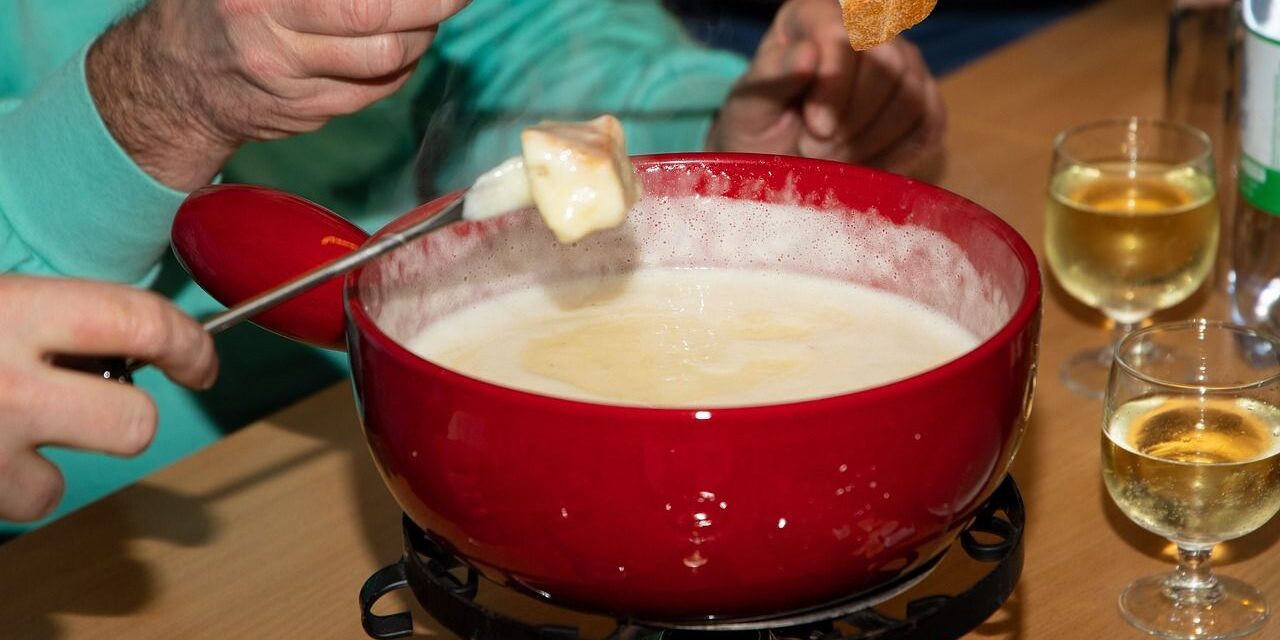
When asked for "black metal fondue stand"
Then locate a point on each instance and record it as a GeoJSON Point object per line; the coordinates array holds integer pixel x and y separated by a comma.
{"type": "Point", "coordinates": [446, 589]}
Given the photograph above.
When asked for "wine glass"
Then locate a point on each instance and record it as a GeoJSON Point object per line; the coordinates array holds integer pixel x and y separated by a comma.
{"type": "Point", "coordinates": [1191, 451]}
{"type": "Point", "coordinates": [1131, 225]}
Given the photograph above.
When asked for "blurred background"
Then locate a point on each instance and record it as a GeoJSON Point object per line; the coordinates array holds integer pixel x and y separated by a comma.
{"type": "Point", "coordinates": [958, 30]}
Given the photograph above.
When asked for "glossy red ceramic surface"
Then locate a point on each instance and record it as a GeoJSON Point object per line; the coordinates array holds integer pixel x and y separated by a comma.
{"type": "Point", "coordinates": [681, 514]}
{"type": "Point", "coordinates": [237, 241]}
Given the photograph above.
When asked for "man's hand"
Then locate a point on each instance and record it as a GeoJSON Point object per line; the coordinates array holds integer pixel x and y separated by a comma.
{"type": "Point", "coordinates": [183, 83]}
{"type": "Point", "coordinates": [41, 404]}
{"type": "Point", "coordinates": [808, 93]}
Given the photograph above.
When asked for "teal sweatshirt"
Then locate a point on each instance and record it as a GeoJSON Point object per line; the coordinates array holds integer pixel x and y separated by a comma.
{"type": "Point", "coordinates": [72, 203]}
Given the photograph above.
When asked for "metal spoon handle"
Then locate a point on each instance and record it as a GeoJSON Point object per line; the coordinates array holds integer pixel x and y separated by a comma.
{"type": "Point", "coordinates": [270, 298]}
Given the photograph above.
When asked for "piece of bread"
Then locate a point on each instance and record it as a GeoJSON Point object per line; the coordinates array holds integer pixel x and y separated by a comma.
{"type": "Point", "coordinates": [874, 22]}
{"type": "Point", "coordinates": [579, 175]}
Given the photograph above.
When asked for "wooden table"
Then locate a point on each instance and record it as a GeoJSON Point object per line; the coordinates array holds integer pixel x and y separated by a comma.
{"type": "Point", "coordinates": [271, 532]}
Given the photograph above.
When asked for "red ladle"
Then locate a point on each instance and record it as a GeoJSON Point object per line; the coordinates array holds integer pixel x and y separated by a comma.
{"type": "Point", "coordinates": [257, 273]}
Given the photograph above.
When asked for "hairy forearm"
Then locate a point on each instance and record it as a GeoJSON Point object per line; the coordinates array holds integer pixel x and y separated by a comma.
{"type": "Point", "coordinates": [150, 100]}
{"type": "Point", "coordinates": [182, 83]}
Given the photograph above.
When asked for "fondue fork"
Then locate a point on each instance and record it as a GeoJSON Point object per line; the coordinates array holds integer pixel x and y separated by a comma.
{"type": "Point", "coordinates": [270, 298]}
{"type": "Point", "coordinates": [501, 190]}
{"type": "Point", "coordinates": [498, 191]}
{"type": "Point", "coordinates": [571, 160]}
{"type": "Point", "coordinates": [122, 369]}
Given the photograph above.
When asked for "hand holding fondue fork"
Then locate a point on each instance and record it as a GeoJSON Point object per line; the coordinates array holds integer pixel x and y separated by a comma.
{"type": "Point", "coordinates": [576, 174]}
{"type": "Point", "coordinates": [578, 177]}
{"type": "Point", "coordinates": [46, 405]}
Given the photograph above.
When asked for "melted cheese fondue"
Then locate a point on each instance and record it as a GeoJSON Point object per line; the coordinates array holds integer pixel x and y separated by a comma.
{"type": "Point", "coordinates": [694, 338]}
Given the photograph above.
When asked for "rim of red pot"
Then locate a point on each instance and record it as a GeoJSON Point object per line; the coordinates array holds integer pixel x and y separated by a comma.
{"type": "Point", "coordinates": [1022, 316]}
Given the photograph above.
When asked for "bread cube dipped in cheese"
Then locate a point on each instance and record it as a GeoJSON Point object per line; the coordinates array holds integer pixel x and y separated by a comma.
{"type": "Point", "coordinates": [579, 175]}
{"type": "Point", "coordinates": [576, 174]}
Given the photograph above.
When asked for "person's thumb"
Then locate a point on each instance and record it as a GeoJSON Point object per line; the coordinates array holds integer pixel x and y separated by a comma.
{"type": "Point", "coordinates": [776, 82]}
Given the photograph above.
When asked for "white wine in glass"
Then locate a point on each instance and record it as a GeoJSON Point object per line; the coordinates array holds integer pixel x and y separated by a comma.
{"type": "Point", "coordinates": [1198, 470]}
{"type": "Point", "coordinates": [1191, 452]}
{"type": "Point", "coordinates": [1131, 225]}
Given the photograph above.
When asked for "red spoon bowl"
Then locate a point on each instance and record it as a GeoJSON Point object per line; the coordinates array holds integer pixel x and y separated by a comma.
{"type": "Point", "coordinates": [239, 240]}
{"type": "Point", "coordinates": [673, 514]}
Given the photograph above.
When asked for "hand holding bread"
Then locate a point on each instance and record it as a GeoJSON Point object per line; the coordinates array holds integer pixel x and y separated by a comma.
{"type": "Point", "coordinates": [808, 93]}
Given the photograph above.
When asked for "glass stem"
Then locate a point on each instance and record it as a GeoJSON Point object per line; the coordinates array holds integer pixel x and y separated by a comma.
{"type": "Point", "coordinates": [1193, 581]}
{"type": "Point", "coordinates": [1122, 329]}
{"type": "Point", "coordinates": [1118, 331]}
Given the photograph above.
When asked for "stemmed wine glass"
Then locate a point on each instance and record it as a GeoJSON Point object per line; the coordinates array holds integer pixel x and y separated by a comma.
{"type": "Point", "coordinates": [1191, 451]}
{"type": "Point", "coordinates": [1131, 225]}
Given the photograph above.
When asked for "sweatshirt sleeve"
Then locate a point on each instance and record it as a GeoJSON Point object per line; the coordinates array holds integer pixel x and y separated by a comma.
{"type": "Point", "coordinates": [72, 202]}
{"type": "Point", "coordinates": [511, 63]}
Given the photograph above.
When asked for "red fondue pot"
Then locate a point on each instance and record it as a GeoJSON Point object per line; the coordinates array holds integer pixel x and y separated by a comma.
{"type": "Point", "coordinates": [674, 514]}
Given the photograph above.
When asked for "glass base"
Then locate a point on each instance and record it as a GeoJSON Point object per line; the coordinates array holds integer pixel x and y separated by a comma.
{"type": "Point", "coordinates": [1229, 610]}
{"type": "Point", "coordinates": [1086, 372]}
